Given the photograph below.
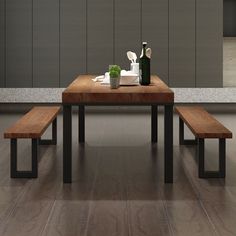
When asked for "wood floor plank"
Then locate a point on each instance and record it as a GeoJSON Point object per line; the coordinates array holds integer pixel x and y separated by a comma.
{"type": "Point", "coordinates": [182, 189]}
{"type": "Point", "coordinates": [209, 189]}
{"type": "Point", "coordinates": [68, 218]}
{"type": "Point", "coordinates": [9, 196]}
{"type": "Point", "coordinates": [117, 184]}
{"type": "Point", "coordinates": [148, 218]}
{"type": "Point", "coordinates": [28, 218]}
{"type": "Point", "coordinates": [188, 218]}
{"type": "Point", "coordinates": [5, 210]}
{"type": "Point", "coordinates": [223, 217]}
{"type": "Point", "coordinates": [143, 168]}
{"type": "Point", "coordinates": [110, 180]}
{"type": "Point", "coordinates": [108, 218]}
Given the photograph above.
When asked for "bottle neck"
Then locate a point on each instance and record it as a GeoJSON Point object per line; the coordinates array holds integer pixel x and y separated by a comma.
{"type": "Point", "coordinates": [144, 50]}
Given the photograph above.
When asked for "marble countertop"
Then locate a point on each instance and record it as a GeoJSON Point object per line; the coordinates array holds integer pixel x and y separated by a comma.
{"type": "Point", "coordinates": [53, 95]}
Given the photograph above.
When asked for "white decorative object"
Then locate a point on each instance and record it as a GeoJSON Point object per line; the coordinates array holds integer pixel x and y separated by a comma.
{"type": "Point", "coordinates": [126, 78]}
{"type": "Point", "coordinates": [132, 56]}
{"type": "Point", "coordinates": [149, 52]}
{"type": "Point", "coordinates": [134, 67]}
{"type": "Point", "coordinates": [129, 79]}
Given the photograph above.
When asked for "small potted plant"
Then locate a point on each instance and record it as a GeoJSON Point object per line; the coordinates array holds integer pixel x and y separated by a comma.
{"type": "Point", "coordinates": [114, 73]}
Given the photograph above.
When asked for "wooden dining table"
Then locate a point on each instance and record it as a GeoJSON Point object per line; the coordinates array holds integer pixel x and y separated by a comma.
{"type": "Point", "coordinates": [83, 91]}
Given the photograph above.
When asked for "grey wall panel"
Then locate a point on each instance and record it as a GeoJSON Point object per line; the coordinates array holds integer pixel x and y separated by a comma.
{"type": "Point", "coordinates": [229, 18]}
{"type": "Point", "coordinates": [127, 30]}
{"type": "Point", "coordinates": [45, 43]}
{"type": "Point", "coordinates": [155, 32]}
{"type": "Point", "coordinates": [99, 35]}
{"type": "Point", "coordinates": [50, 42]}
{"type": "Point", "coordinates": [73, 40]}
{"type": "Point", "coordinates": [182, 43]}
{"type": "Point", "coordinates": [19, 43]}
{"type": "Point", "coordinates": [209, 44]}
{"type": "Point", "coordinates": [2, 43]}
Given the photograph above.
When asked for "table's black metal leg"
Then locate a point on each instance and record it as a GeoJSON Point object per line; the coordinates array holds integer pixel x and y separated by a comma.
{"type": "Point", "coordinates": [81, 124]}
{"type": "Point", "coordinates": [67, 143]}
{"type": "Point", "coordinates": [222, 158]}
{"type": "Point", "coordinates": [168, 126]}
{"type": "Point", "coordinates": [13, 158]}
{"type": "Point", "coordinates": [154, 121]}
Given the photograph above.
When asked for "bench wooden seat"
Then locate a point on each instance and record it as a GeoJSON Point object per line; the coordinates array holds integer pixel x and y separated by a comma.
{"type": "Point", "coordinates": [203, 125]}
{"type": "Point", "coordinates": [32, 125]}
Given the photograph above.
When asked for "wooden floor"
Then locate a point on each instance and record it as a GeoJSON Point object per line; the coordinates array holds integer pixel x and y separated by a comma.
{"type": "Point", "coordinates": [118, 184]}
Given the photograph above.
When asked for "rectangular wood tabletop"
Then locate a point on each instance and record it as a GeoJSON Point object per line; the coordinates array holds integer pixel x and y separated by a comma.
{"type": "Point", "coordinates": [84, 90]}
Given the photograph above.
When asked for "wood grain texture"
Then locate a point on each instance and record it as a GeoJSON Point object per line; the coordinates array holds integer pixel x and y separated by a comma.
{"type": "Point", "coordinates": [27, 218]}
{"type": "Point", "coordinates": [68, 218]}
{"type": "Point", "coordinates": [201, 123]}
{"type": "Point", "coordinates": [33, 124]}
{"type": "Point", "coordinates": [84, 90]}
{"type": "Point", "coordinates": [188, 216]}
{"type": "Point", "coordinates": [110, 181]}
{"type": "Point", "coordinates": [223, 217]}
{"type": "Point", "coordinates": [114, 213]}
{"type": "Point", "coordinates": [148, 218]}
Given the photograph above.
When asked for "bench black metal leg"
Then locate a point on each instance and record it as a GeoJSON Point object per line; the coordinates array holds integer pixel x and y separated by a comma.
{"type": "Point", "coordinates": [81, 124]}
{"type": "Point", "coordinates": [34, 158]}
{"type": "Point", "coordinates": [222, 151]}
{"type": "Point", "coordinates": [181, 132]}
{"type": "Point", "coordinates": [13, 158]}
{"type": "Point", "coordinates": [201, 157]}
{"type": "Point", "coordinates": [53, 141]}
{"type": "Point", "coordinates": [24, 174]}
{"type": "Point", "coordinates": [154, 125]}
{"type": "Point", "coordinates": [67, 143]}
{"type": "Point", "coordinates": [183, 141]}
{"type": "Point", "coordinates": [168, 142]}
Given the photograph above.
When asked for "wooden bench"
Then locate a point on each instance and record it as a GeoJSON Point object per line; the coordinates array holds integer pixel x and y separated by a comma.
{"type": "Point", "coordinates": [32, 125]}
{"type": "Point", "coordinates": [203, 125]}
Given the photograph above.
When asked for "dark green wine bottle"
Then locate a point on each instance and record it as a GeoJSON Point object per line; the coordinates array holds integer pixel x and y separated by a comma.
{"type": "Point", "coordinates": [144, 67]}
